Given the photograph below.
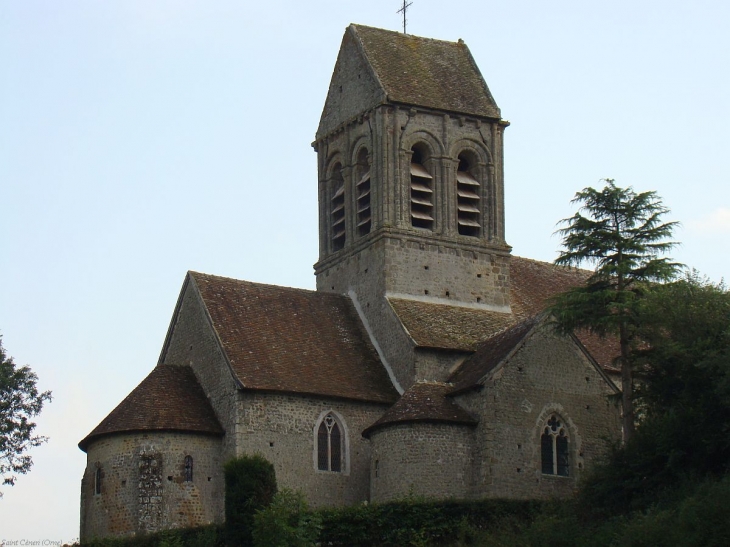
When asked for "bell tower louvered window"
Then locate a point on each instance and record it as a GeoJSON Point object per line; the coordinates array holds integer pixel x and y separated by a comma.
{"type": "Point", "coordinates": [554, 448]}
{"type": "Point", "coordinates": [467, 200]}
{"type": "Point", "coordinates": [421, 193]}
{"type": "Point", "coordinates": [337, 211]}
{"type": "Point", "coordinates": [364, 215]}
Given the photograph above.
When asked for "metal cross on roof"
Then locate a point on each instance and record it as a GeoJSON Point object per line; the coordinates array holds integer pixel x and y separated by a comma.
{"type": "Point", "coordinates": [403, 10]}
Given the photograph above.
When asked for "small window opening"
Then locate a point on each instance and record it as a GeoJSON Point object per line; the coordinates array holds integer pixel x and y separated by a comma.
{"type": "Point", "coordinates": [448, 294]}
{"type": "Point", "coordinates": [425, 291]}
{"type": "Point", "coordinates": [479, 299]}
{"type": "Point", "coordinates": [377, 468]}
{"type": "Point", "coordinates": [337, 214]}
{"type": "Point", "coordinates": [188, 469]}
{"type": "Point", "coordinates": [554, 448]}
{"type": "Point", "coordinates": [329, 445]}
{"type": "Point", "coordinates": [97, 481]}
{"type": "Point", "coordinates": [364, 216]}
{"type": "Point", "coordinates": [169, 478]}
{"type": "Point", "coordinates": [467, 202]}
{"type": "Point", "coordinates": [421, 192]}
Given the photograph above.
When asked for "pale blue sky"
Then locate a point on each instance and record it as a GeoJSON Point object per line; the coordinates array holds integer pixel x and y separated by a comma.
{"type": "Point", "coordinates": [141, 139]}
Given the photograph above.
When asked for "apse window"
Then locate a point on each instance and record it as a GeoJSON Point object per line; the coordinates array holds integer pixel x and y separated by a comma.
{"type": "Point", "coordinates": [97, 481]}
{"type": "Point", "coordinates": [554, 448]}
{"type": "Point", "coordinates": [421, 192]}
{"type": "Point", "coordinates": [330, 453]}
{"type": "Point", "coordinates": [467, 199]}
{"type": "Point", "coordinates": [188, 469]}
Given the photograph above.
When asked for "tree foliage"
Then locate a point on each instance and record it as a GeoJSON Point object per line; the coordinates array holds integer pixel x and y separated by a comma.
{"type": "Point", "coordinates": [250, 486]}
{"type": "Point", "coordinates": [20, 402]}
{"type": "Point", "coordinates": [621, 234]}
{"type": "Point", "coordinates": [683, 398]}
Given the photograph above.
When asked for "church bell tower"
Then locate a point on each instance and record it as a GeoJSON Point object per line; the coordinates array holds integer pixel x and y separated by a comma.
{"type": "Point", "coordinates": [411, 186]}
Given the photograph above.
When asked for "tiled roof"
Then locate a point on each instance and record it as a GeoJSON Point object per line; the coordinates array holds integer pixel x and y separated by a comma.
{"type": "Point", "coordinates": [489, 355]}
{"type": "Point", "coordinates": [532, 283]}
{"type": "Point", "coordinates": [424, 402]}
{"type": "Point", "coordinates": [294, 340]}
{"type": "Point", "coordinates": [426, 72]}
{"type": "Point", "coordinates": [169, 399]}
{"type": "Point", "coordinates": [448, 327]}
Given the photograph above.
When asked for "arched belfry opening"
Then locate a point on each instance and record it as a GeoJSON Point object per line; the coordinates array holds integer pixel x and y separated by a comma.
{"type": "Point", "coordinates": [362, 191]}
{"type": "Point", "coordinates": [421, 190]}
{"type": "Point", "coordinates": [337, 208]}
{"type": "Point", "coordinates": [468, 202]}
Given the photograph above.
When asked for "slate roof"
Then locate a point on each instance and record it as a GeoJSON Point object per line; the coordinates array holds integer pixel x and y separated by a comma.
{"type": "Point", "coordinates": [294, 340]}
{"type": "Point", "coordinates": [169, 399]}
{"type": "Point", "coordinates": [425, 72]}
{"type": "Point", "coordinates": [424, 402]}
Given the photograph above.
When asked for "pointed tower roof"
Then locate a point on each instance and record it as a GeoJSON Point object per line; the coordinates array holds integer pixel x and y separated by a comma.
{"type": "Point", "coordinates": [169, 399]}
{"type": "Point", "coordinates": [404, 69]}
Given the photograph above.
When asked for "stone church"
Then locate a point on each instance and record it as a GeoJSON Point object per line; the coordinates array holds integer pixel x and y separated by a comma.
{"type": "Point", "coordinates": [422, 364]}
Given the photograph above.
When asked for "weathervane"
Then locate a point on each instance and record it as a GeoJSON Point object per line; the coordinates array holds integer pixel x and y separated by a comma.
{"type": "Point", "coordinates": [403, 10]}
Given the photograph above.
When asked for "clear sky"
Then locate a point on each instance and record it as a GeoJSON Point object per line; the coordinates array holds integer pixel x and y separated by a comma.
{"type": "Point", "coordinates": [140, 139]}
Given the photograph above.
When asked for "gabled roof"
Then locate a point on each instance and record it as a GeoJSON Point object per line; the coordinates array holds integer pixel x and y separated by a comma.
{"type": "Point", "coordinates": [169, 399]}
{"type": "Point", "coordinates": [293, 340]}
{"type": "Point", "coordinates": [424, 402]}
{"type": "Point", "coordinates": [490, 354]}
{"type": "Point", "coordinates": [425, 72]}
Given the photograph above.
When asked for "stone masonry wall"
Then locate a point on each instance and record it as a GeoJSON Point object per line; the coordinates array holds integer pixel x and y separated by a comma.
{"type": "Point", "coordinates": [143, 487]}
{"type": "Point", "coordinates": [423, 459]}
{"type": "Point", "coordinates": [192, 342]}
{"type": "Point", "coordinates": [282, 429]}
{"type": "Point", "coordinates": [549, 374]}
{"type": "Point", "coordinates": [435, 365]}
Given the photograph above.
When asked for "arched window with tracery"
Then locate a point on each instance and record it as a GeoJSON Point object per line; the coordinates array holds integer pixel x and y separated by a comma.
{"type": "Point", "coordinates": [467, 198]}
{"type": "Point", "coordinates": [330, 445]}
{"type": "Point", "coordinates": [337, 208]}
{"type": "Point", "coordinates": [421, 191]}
{"type": "Point", "coordinates": [362, 191]}
{"type": "Point", "coordinates": [188, 469]}
{"type": "Point", "coordinates": [554, 447]}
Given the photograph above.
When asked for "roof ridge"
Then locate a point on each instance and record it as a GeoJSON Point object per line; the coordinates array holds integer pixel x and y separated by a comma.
{"type": "Point", "coordinates": [458, 42]}
{"type": "Point", "coordinates": [260, 284]}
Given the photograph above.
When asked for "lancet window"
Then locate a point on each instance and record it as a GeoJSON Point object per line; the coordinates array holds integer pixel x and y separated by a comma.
{"type": "Point", "coordinates": [421, 192]}
{"type": "Point", "coordinates": [330, 445]}
{"type": "Point", "coordinates": [554, 448]}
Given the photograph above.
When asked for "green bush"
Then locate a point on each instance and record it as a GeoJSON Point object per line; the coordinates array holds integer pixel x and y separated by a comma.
{"type": "Point", "coordinates": [414, 523]}
{"type": "Point", "coordinates": [201, 536]}
{"type": "Point", "coordinates": [250, 486]}
{"type": "Point", "coordinates": [286, 522]}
